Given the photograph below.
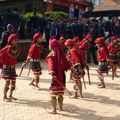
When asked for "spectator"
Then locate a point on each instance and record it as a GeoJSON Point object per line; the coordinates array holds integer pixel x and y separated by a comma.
{"type": "Point", "coordinates": [92, 48]}
{"type": "Point", "coordinates": [47, 33]}
{"type": "Point", "coordinates": [6, 34]}
{"type": "Point", "coordinates": [54, 30]}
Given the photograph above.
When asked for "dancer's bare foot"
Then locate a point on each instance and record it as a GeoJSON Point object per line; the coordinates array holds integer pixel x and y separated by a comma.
{"type": "Point", "coordinates": [74, 97]}
{"type": "Point", "coordinates": [53, 112]}
{"type": "Point", "coordinates": [32, 84]}
{"type": "Point", "coordinates": [7, 100]}
{"type": "Point", "coordinates": [102, 86]}
{"type": "Point", "coordinates": [38, 88]}
{"type": "Point", "coordinates": [60, 108]}
{"type": "Point", "coordinates": [81, 96]}
{"type": "Point", "coordinates": [99, 84]}
{"type": "Point", "coordinates": [12, 98]}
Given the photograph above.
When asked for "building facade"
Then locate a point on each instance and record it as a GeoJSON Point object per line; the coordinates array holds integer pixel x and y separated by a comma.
{"type": "Point", "coordinates": [22, 5]}
{"type": "Point", "coordinates": [75, 8]}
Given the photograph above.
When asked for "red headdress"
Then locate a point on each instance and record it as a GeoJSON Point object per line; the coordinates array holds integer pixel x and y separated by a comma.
{"type": "Point", "coordinates": [100, 40]}
{"type": "Point", "coordinates": [69, 42]}
{"type": "Point", "coordinates": [12, 37]}
{"type": "Point", "coordinates": [88, 36]}
{"type": "Point", "coordinates": [36, 36]}
{"type": "Point", "coordinates": [113, 38]}
{"type": "Point", "coordinates": [75, 39]}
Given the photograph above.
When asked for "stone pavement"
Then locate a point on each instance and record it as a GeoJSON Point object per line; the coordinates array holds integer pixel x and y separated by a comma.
{"type": "Point", "coordinates": [97, 104]}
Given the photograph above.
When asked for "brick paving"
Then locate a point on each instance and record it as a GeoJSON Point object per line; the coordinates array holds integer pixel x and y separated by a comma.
{"type": "Point", "coordinates": [97, 104]}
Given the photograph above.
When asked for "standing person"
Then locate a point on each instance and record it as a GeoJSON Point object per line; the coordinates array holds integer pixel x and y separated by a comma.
{"type": "Point", "coordinates": [53, 30]}
{"type": "Point", "coordinates": [9, 56]}
{"type": "Point", "coordinates": [76, 42]}
{"type": "Point", "coordinates": [108, 26]}
{"type": "Point", "coordinates": [47, 33]}
{"type": "Point", "coordinates": [62, 42]}
{"type": "Point", "coordinates": [92, 48]}
{"type": "Point", "coordinates": [33, 24]}
{"type": "Point", "coordinates": [114, 49]}
{"type": "Point", "coordinates": [57, 65]}
{"type": "Point", "coordinates": [103, 59]}
{"type": "Point", "coordinates": [34, 55]}
{"type": "Point", "coordinates": [68, 31]}
{"type": "Point", "coordinates": [6, 34]}
{"type": "Point", "coordinates": [61, 28]}
{"type": "Point", "coordinates": [77, 66]}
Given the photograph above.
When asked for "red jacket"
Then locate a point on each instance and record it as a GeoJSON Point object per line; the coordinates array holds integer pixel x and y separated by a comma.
{"type": "Point", "coordinates": [103, 54]}
{"type": "Point", "coordinates": [112, 50]}
{"type": "Point", "coordinates": [35, 51]}
{"type": "Point", "coordinates": [76, 57]}
{"type": "Point", "coordinates": [84, 46]}
{"type": "Point", "coordinates": [6, 58]}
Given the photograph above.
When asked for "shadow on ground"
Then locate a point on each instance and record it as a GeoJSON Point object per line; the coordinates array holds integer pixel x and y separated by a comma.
{"type": "Point", "coordinates": [70, 111]}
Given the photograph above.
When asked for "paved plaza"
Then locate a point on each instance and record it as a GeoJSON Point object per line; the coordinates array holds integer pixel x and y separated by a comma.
{"type": "Point", "coordinates": [97, 104]}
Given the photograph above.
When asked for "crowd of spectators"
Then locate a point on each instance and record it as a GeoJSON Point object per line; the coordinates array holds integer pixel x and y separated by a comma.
{"type": "Point", "coordinates": [12, 21]}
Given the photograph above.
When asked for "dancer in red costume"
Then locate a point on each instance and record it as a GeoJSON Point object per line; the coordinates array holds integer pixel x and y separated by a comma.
{"type": "Point", "coordinates": [9, 56]}
{"type": "Point", "coordinates": [77, 65]}
{"type": "Point", "coordinates": [114, 52]}
{"type": "Point", "coordinates": [34, 55]}
{"type": "Point", "coordinates": [103, 59]}
{"type": "Point", "coordinates": [57, 65]}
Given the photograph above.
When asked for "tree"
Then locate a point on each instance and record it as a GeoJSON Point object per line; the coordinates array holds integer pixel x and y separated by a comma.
{"type": "Point", "coordinates": [35, 5]}
{"type": "Point", "coordinates": [39, 6]}
{"type": "Point", "coordinates": [90, 7]}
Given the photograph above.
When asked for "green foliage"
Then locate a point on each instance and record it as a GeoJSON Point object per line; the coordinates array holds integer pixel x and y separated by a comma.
{"type": "Point", "coordinates": [90, 5]}
{"type": "Point", "coordinates": [26, 16]}
{"type": "Point", "coordinates": [54, 15]}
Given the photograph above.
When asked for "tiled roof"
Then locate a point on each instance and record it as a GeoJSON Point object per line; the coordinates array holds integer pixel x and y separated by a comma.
{"type": "Point", "coordinates": [107, 8]}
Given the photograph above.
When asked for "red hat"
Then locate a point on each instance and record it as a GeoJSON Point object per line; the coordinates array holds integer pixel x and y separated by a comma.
{"type": "Point", "coordinates": [69, 42]}
{"type": "Point", "coordinates": [62, 39]}
{"type": "Point", "coordinates": [36, 36]}
{"type": "Point", "coordinates": [76, 39]}
{"type": "Point", "coordinates": [100, 40]}
{"type": "Point", "coordinates": [113, 38]}
{"type": "Point", "coordinates": [53, 43]}
{"type": "Point", "coordinates": [88, 36]}
{"type": "Point", "coordinates": [12, 37]}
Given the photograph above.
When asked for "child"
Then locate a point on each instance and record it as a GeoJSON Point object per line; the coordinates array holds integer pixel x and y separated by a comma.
{"type": "Point", "coordinates": [57, 65]}
{"type": "Point", "coordinates": [114, 49]}
{"type": "Point", "coordinates": [34, 55]}
{"type": "Point", "coordinates": [9, 56]}
{"type": "Point", "coordinates": [77, 65]}
{"type": "Point", "coordinates": [103, 59]}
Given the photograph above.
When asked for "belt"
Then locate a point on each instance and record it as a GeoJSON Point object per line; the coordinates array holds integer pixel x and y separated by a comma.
{"type": "Point", "coordinates": [8, 66]}
{"type": "Point", "coordinates": [113, 54]}
{"type": "Point", "coordinates": [102, 63]}
{"type": "Point", "coordinates": [34, 60]}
